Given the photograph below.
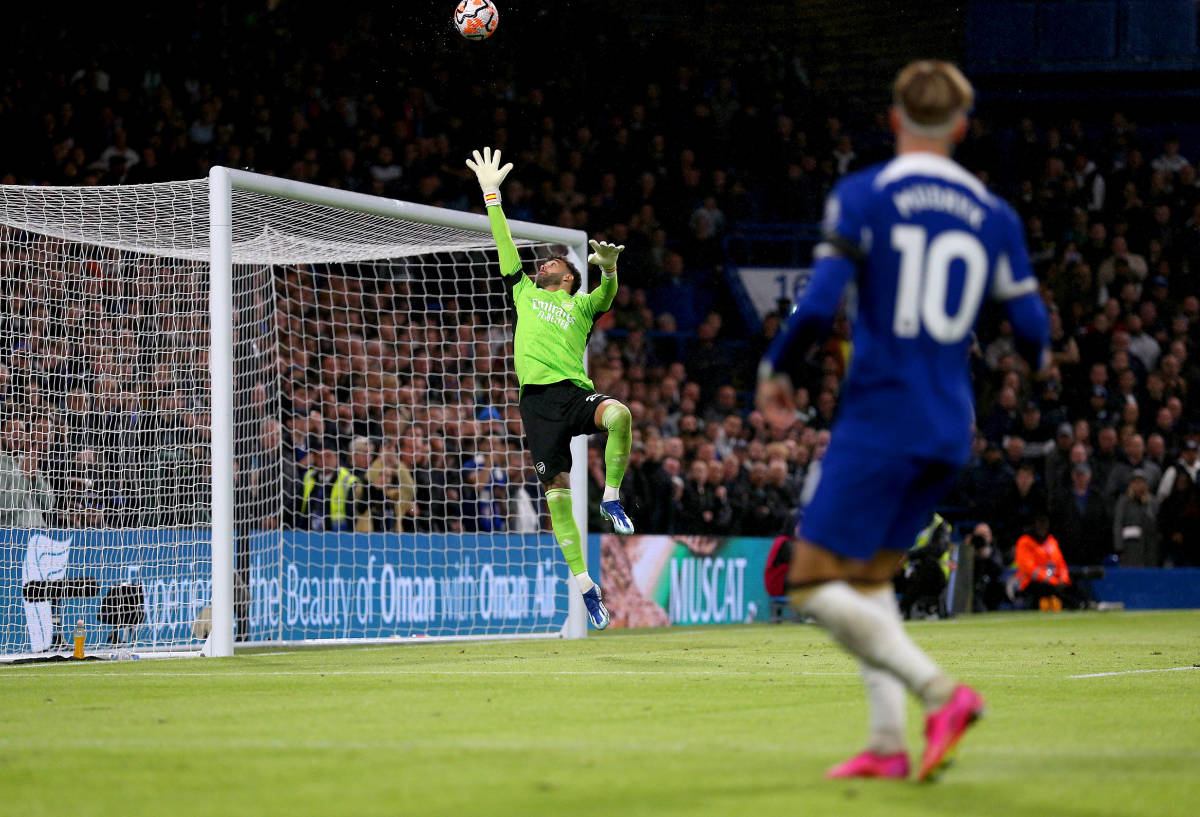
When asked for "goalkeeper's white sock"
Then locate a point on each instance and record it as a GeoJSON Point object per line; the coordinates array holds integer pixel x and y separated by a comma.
{"type": "Point", "coordinates": [610, 493]}
{"type": "Point", "coordinates": [878, 639]}
{"type": "Point", "coordinates": [885, 692]}
{"type": "Point", "coordinates": [584, 581]}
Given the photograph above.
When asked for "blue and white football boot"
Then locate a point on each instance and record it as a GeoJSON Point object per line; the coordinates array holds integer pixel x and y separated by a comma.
{"type": "Point", "coordinates": [613, 512]}
{"type": "Point", "coordinates": [597, 612]}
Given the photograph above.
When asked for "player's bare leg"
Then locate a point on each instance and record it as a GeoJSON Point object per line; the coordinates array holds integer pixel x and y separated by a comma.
{"type": "Point", "coordinates": [854, 600]}
{"type": "Point", "coordinates": [944, 726]}
{"type": "Point", "coordinates": [615, 418]}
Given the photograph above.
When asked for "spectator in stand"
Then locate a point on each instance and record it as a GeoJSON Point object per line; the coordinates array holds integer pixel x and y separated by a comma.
{"type": "Point", "coordinates": [724, 405]}
{"type": "Point", "coordinates": [26, 499]}
{"type": "Point", "coordinates": [1022, 500]}
{"type": "Point", "coordinates": [1170, 162]}
{"type": "Point", "coordinates": [362, 454]}
{"type": "Point", "coordinates": [1134, 461]}
{"type": "Point", "coordinates": [1120, 268]}
{"type": "Point", "coordinates": [1135, 524]}
{"type": "Point", "coordinates": [765, 513]}
{"type": "Point", "coordinates": [780, 480]}
{"type": "Point", "coordinates": [595, 486]}
{"type": "Point", "coordinates": [1156, 451]}
{"type": "Point", "coordinates": [1179, 521]}
{"type": "Point", "coordinates": [384, 488]}
{"type": "Point", "coordinates": [703, 511]}
{"type": "Point", "coordinates": [985, 481]}
{"type": "Point", "coordinates": [1058, 460]}
{"type": "Point", "coordinates": [1187, 465]}
{"type": "Point", "coordinates": [668, 486]}
{"type": "Point", "coordinates": [524, 513]}
{"type": "Point", "coordinates": [485, 499]}
{"type": "Point", "coordinates": [1142, 345]}
{"type": "Point", "coordinates": [438, 492]}
{"type": "Point", "coordinates": [1014, 451]}
{"type": "Point", "coordinates": [1035, 433]}
{"type": "Point", "coordinates": [1080, 515]}
{"type": "Point", "coordinates": [637, 489]}
{"type": "Point", "coordinates": [1064, 351]}
{"type": "Point", "coordinates": [1003, 419]}
{"type": "Point", "coordinates": [1104, 457]}
{"type": "Point", "coordinates": [317, 492]}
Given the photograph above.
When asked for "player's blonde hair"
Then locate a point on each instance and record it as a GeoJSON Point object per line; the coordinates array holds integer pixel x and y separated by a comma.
{"type": "Point", "coordinates": [930, 96]}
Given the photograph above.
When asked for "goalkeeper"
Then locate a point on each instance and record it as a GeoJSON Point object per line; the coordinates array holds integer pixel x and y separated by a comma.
{"type": "Point", "coordinates": [558, 401]}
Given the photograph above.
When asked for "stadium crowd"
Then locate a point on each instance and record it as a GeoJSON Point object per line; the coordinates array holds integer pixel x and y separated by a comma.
{"type": "Point", "coordinates": [395, 409]}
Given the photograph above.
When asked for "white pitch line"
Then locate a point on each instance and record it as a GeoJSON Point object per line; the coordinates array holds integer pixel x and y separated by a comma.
{"type": "Point", "coordinates": [425, 744]}
{"type": "Point", "coordinates": [240, 673]}
{"type": "Point", "coordinates": [318, 672]}
{"type": "Point", "coordinates": [1132, 672]}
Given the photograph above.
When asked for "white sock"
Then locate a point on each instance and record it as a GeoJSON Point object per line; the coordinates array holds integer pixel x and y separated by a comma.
{"type": "Point", "coordinates": [885, 692]}
{"type": "Point", "coordinates": [878, 639]}
{"type": "Point", "coordinates": [584, 581]}
{"type": "Point", "coordinates": [610, 493]}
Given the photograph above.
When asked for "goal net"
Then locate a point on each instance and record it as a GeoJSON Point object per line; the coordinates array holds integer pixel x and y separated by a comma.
{"type": "Point", "coordinates": [281, 412]}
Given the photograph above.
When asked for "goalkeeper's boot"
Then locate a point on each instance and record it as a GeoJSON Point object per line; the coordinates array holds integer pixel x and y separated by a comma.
{"type": "Point", "coordinates": [945, 727]}
{"type": "Point", "coordinates": [870, 764]}
{"type": "Point", "coordinates": [613, 512]}
{"type": "Point", "coordinates": [597, 612]}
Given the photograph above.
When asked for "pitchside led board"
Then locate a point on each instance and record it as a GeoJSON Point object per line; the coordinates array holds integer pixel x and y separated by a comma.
{"type": "Point", "coordinates": [652, 581]}
{"type": "Point", "coordinates": [299, 586]}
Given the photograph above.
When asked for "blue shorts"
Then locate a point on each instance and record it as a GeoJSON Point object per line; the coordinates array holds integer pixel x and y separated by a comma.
{"type": "Point", "coordinates": [867, 501]}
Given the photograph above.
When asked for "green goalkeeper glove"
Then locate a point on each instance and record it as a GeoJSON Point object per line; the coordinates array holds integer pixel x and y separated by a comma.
{"type": "Point", "coordinates": [490, 174]}
{"type": "Point", "coordinates": [604, 255]}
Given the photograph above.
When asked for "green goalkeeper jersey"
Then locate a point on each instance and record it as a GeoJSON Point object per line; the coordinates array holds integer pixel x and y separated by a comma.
{"type": "Point", "coordinates": [551, 328]}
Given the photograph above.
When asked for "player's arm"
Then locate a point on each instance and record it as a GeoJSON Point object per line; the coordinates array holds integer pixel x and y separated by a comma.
{"type": "Point", "coordinates": [813, 317]}
{"type": "Point", "coordinates": [604, 256]}
{"type": "Point", "coordinates": [1016, 287]}
{"type": "Point", "coordinates": [490, 174]}
{"type": "Point", "coordinates": [838, 257]}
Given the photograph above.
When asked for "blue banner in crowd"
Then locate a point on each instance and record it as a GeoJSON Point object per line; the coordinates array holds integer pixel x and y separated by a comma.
{"type": "Point", "coordinates": [293, 586]}
{"type": "Point", "coordinates": [377, 585]}
{"type": "Point", "coordinates": [171, 567]}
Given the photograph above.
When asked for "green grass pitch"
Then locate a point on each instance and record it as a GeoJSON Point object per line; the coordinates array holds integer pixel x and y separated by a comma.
{"type": "Point", "coordinates": [737, 720]}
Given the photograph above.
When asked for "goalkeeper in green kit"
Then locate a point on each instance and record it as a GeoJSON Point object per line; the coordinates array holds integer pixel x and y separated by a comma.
{"type": "Point", "coordinates": [552, 326]}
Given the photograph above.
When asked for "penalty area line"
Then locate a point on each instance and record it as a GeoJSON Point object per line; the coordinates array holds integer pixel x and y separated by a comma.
{"type": "Point", "coordinates": [1132, 672]}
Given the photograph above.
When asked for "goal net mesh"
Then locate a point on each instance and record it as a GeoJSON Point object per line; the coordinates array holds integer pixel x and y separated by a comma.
{"type": "Point", "coordinates": [381, 485]}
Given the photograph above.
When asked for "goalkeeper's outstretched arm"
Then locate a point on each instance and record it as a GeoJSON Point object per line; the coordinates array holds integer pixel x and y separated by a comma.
{"type": "Point", "coordinates": [604, 255]}
{"type": "Point", "coordinates": [491, 175]}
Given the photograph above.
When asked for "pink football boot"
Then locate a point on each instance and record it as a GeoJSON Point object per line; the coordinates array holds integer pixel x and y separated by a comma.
{"type": "Point", "coordinates": [869, 764]}
{"type": "Point", "coordinates": [945, 727]}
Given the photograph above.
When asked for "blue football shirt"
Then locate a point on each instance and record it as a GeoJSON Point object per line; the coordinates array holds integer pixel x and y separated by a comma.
{"type": "Point", "coordinates": [925, 243]}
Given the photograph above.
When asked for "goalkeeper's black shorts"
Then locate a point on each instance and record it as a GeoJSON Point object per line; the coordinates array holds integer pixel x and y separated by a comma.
{"type": "Point", "coordinates": [552, 414]}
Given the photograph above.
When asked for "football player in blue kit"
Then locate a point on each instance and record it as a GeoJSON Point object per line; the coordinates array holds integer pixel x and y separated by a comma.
{"type": "Point", "coordinates": [924, 242]}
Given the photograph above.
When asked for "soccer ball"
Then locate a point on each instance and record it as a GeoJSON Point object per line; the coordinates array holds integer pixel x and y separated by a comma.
{"type": "Point", "coordinates": [476, 19]}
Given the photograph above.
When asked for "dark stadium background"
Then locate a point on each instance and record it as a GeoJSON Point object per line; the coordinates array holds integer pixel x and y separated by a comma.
{"type": "Point", "coordinates": [1105, 78]}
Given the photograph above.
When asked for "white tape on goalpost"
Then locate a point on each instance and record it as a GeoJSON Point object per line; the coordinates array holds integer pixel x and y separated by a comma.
{"type": "Point", "coordinates": [189, 368]}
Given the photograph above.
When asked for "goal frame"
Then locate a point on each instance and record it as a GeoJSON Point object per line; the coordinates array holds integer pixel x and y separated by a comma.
{"type": "Point", "coordinates": [222, 182]}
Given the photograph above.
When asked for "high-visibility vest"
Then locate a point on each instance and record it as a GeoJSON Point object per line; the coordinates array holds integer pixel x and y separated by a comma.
{"type": "Point", "coordinates": [342, 486]}
{"type": "Point", "coordinates": [926, 536]}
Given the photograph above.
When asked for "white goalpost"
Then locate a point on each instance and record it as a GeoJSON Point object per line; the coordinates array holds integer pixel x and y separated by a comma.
{"type": "Point", "coordinates": [246, 410]}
